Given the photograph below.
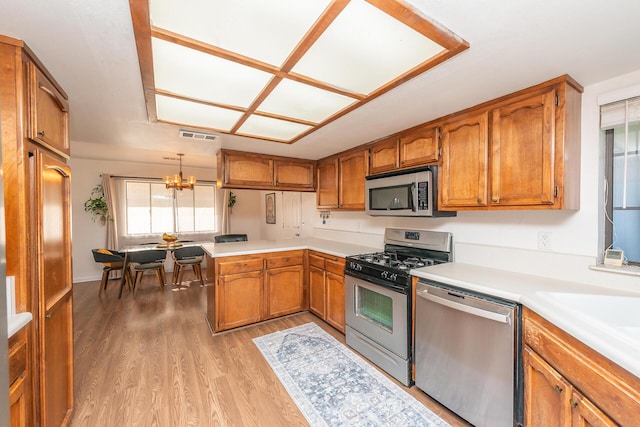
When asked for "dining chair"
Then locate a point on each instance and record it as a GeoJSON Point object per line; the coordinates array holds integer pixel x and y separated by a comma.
{"type": "Point", "coordinates": [147, 260]}
{"type": "Point", "coordinates": [185, 257]}
{"type": "Point", "coordinates": [111, 261]}
{"type": "Point", "coordinates": [224, 238]}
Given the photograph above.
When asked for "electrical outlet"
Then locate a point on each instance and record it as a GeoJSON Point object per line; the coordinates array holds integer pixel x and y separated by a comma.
{"type": "Point", "coordinates": [544, 240]}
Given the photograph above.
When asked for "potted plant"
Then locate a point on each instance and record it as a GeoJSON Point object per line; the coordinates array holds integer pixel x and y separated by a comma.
{"type": "Point", "coordinates": [97, 206]}
{"type": "Point", "coordinates": [232, 201]}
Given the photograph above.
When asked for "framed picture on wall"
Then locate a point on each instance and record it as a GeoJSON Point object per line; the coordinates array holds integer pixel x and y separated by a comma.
{"type": "Point", "coordinates": [270, 200]}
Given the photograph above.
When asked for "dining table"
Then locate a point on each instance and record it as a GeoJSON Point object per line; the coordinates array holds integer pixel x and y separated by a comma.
{"type": "Point", "coordinates": [169, 247]}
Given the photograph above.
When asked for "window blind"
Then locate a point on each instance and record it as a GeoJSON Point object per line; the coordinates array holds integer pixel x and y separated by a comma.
{"type": "Point", "coordinates": [614, 114]}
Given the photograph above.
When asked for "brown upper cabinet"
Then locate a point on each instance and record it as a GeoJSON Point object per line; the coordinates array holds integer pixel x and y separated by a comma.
{"type": "Point", "coordinates": [463, 172]}
{"type": "Point", "coordinates": [521, 151]}
{"type": "Point", "coordinates": [238, 169]}
{"type": "Point", "coordinates": [384, 157]}
{"type": "Point", "coordinates": [414, 148]}
{"type": "Point", "coordinates": [48, 113]}
{"type": "Point", "coordinates": [341, 181]}
{"type": "Point", "coordinates": [419, 147]}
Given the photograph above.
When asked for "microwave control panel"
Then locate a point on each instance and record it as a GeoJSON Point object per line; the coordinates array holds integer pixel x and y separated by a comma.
{"type": "Point", "coordinates": [423, 196]}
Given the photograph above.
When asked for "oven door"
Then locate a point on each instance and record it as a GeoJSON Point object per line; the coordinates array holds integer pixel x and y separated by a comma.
{"type": "Point", "coordinates": [379, 313]}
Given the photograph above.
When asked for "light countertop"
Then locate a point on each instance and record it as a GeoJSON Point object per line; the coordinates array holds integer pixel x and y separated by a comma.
{"type": "Point", "coordinates": [330, 247]}
{"type": "Point", "coordinates": [605, 319]}
{"type": "Point", "coordinates": [17, 322]}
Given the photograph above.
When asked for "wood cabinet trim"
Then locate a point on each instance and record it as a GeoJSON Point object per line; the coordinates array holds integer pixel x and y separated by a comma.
{"type": "Point", "coordinates": [613, 389]}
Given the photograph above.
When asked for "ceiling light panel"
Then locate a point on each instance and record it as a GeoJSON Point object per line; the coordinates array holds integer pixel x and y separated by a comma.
{"type": "Point", "coordinates": [269, 128]}
{"type": "Point", "coordinates": [293, 99]}
{"type": "Point", "coordinates": [264, 30]}
{"type": "Point", "coordinates": [365, 48]}
{"type": "Point", "coordinates": [278, 69]}
{"type": "Point", "coordinates": [205, 77]}
{"type": "Point", "coordinates": [195, 114]}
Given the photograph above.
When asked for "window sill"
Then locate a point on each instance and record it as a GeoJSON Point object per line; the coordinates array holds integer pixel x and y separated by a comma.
{"type": "Point", "coordinates": [630, 270]}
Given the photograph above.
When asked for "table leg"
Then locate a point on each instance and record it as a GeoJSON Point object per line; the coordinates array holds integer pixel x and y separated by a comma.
{"type": "Point", "coordinates": [125, 273]}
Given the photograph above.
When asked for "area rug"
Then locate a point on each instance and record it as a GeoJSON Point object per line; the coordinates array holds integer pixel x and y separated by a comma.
{"type": "Point", "coordinates": [333, 386]}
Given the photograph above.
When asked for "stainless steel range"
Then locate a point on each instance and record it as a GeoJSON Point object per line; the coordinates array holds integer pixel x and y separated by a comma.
{"type": "Point", "coordinates": [378, 296]}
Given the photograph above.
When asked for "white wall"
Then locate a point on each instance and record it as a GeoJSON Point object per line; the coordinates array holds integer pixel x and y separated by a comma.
{"type": "Point", "coordinates": [88, 235]}
{"type": "Point", "coordinates": [278, 231]}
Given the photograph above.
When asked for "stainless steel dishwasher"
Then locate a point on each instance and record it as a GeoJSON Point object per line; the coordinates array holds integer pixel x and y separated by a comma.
{"type": "Point", "coordinates": [468, 353]}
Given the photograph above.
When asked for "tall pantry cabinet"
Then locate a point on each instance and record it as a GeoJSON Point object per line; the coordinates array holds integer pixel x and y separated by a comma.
{"type": "Point", "coordinates": [37, 184]}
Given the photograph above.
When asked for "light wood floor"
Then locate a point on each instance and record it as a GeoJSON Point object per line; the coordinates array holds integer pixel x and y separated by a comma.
{"type": "Point", "coordinates": [152, 361]}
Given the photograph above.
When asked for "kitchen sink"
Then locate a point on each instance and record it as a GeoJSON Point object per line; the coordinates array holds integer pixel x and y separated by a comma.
{"type": "Point", "coordinates": [617, 312]}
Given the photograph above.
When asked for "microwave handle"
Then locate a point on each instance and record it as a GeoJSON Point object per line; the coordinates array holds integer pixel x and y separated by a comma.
{"type": "Point", "coordinates": [413, 197]}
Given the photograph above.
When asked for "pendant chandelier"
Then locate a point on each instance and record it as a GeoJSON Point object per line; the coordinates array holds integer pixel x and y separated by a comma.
{"type": "Point", "coordinates": [177, 181]}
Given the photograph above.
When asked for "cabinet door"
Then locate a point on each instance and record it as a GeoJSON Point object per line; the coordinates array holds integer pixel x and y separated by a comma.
{"type": "Point", "coordinates": [54, 284]}
{"type": "Point", "coordinates": [463, 173]}
{"type": "Point", "coordinates": [294, 175]}
{"type": "Point", "coordinates": [246, 170]}
{"type": "Point", "coordinates": [285, 288]}
{"type": "Point", "coordinates": [335, 301]}
{"type": "Point", "coordinates": [327, 185]}
{"type": "Point", "coordinates": [522, 152]}
{"type": "Point", "coordinates": [240, 300]}
{"type": "Point", "coordinates": [49, 113]}
{"type": "Point", "coordinates": [18, 404]}
{"type": "Point", "coordinates": [546, 393]}
{"type": "Point", "coordinates": [317, 291]}
{"type": "Point", "coordinates": [383, 156]}
{"type": "Point", "coordinates": [586, 414]}
{"type": "Point", "coordinates": [419, 148]}
{"type": "Point", "coordinates": [353, 170]}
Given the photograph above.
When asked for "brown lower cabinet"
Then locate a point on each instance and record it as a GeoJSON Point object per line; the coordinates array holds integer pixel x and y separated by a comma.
{"type": "Point", "coordinates": [568, 384]}
{"type": "Point", "coordinates": [326, 288]}
{"type": "Point", "coordinates": [250, 288]}
{"type": "Point", "coordinates": [19, 379]}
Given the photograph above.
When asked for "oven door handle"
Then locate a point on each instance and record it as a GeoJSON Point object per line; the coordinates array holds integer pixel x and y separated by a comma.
{"type": "Point", "coordinates": [502, 318]}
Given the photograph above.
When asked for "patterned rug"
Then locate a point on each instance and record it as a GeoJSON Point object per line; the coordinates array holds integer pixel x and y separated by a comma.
{"type": "Point", "coordinates": [333, 386]}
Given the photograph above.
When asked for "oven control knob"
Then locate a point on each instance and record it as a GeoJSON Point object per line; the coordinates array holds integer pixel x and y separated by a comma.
{"type": "Point", "coordinates": [384, 274]}
{"type": "Point", "coordinates": [355, 266]}
{"type": "Point", "coordinates": [393, 277]}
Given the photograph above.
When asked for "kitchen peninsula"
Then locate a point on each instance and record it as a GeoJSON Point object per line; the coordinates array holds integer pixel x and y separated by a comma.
{"type": "Point", "coordinates": [264, 279]}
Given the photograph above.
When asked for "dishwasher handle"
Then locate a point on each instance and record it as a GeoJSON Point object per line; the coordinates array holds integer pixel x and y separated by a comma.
{"type": "Point", "coordinates": [502, 318]}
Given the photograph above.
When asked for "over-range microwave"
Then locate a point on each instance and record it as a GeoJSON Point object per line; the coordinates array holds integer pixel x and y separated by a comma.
{"type": "Point", "coordinates": [411, 192]}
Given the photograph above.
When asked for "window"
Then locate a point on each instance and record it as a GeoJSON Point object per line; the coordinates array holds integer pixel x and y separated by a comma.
{"type": "Point", "coordinates": [151, 208]}
{"type": "Point", "coordinates": [621, 123]}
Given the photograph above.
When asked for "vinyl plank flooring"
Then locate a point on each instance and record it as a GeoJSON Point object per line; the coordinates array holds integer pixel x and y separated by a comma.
{"type": "Point", "coordinates": [152, 361]}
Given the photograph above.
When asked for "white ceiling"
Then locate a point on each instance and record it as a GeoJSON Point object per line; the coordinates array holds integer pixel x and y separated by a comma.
{"type": "Point", "coordinates": [89, 47]}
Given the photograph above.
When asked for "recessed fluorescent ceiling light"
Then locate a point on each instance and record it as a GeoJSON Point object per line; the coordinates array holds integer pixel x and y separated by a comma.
{"type": "Point", "coordinates": [278, 70]}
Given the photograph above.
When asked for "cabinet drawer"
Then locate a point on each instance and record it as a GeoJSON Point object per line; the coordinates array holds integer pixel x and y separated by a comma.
{"type": "Point", "coordinates": [316, 261]}
{"type": "Point", "coordinates": [240, 266]}
{"type": "Point", "coordinates": [17, 360]}
{"type": "Point", "coordinates": [284, 261]}
{"type": "Point", "coordinates": [335, 266]}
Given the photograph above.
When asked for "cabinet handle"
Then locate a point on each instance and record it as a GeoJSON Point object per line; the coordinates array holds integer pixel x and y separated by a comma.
{"type": "Point", "coordinates": [495, 199]}
{"type": "Point", "coordinates": [558, 389]}
{"type": "Point", "coordinates": [285, 259]}
{"type": "Point", "coordinates": [48, 315]}
{"type": "Point", "coordinates": [41, 133]}
{"type": "Point", "coordinates": [574, 404]}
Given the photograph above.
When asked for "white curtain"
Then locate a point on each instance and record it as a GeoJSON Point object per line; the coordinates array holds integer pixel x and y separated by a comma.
{"type": "Point", "coordinates": [226, 214]}
{"type": "Point", "coordinates": [108, 190]}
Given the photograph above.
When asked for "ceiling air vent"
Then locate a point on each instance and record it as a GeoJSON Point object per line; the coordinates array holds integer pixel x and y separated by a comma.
{"type": "Point", "coordinates": [197, 135]}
